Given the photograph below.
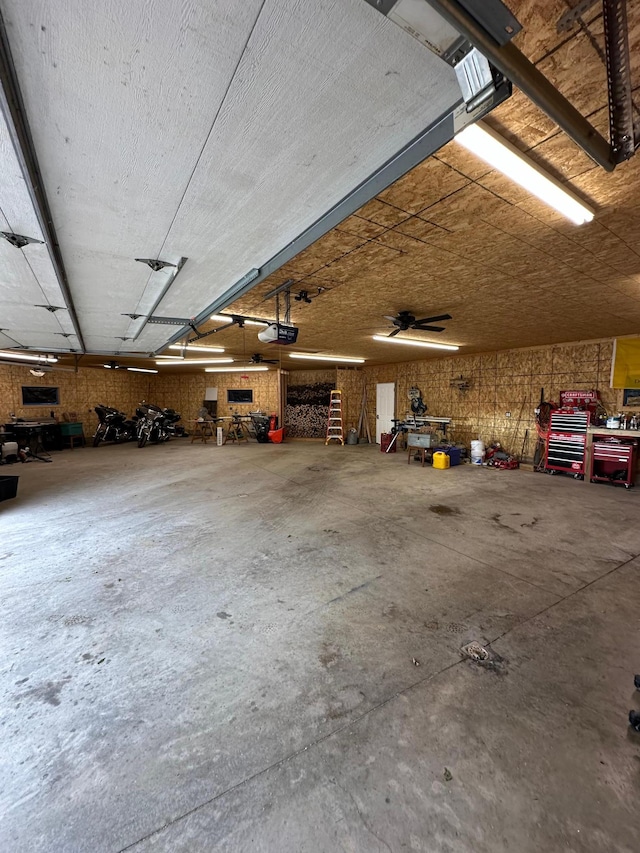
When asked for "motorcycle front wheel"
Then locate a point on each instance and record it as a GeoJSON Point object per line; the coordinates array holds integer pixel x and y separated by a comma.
{"type": "Point", "coordinates": [143, 437]}
{"type": "Point", "coordinates": [98, 437]}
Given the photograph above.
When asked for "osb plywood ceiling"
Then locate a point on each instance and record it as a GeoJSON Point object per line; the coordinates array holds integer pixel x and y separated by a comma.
{"type": "Point", "coordinates": [209, 131]}
{"type": "Point", "coordinates": [452, 236]}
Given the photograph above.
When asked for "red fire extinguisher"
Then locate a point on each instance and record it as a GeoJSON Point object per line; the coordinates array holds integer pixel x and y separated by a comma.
{"type": "Point", "coordinates": [273, 422]}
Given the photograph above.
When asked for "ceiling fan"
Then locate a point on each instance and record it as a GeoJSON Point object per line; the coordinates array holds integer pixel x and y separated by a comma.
{"type": "Point", "coordinates": [257, 358]}
{"type": "Point", "coordinates": [406, 320]}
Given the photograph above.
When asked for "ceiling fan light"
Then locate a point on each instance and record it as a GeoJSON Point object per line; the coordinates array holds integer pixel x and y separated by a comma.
{"type": "Point", "coordinates": [416, 343]}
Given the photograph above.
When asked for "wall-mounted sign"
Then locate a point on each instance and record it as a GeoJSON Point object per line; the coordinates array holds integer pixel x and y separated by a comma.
{"type": "Point", "coordinates": [625, 368]}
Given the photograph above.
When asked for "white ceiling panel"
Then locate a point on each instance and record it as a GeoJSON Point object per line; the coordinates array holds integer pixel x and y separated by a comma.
{"type": "Point", "coordinates": [218, 131]}
{"type": "Point", "coordinates": [18, 283]}
{"type": "Point", "coordinates": [345, 90]}
{"type": "Point", "coordinates": [121, 98]}
{"type": "Point", "coordinates": [27, 276]}
{"type": "Point", "coordinates": [15, 202]}
{"type": "Point", "coordinates": [18, 319]}
{"type": "Point", "coordinates": [7, 342]}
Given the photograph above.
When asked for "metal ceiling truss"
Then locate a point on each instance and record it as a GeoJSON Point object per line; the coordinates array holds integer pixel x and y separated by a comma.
{"type": "Point", "coordinates": [14, 113]}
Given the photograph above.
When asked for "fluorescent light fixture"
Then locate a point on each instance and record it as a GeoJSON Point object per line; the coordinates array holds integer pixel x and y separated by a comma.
{"type": "Point", "coordinates": [195, 361]}
{"type": "Point", "coordinates": [171, 358]}
{"type": "Point", "coordinates": [49, 359]}
{"type": "Point", "coordinates": [234, 369]}
{"type": "Point", "coordinates": [430, 344]}
{"type": "Point", "coordinates": [220, 318]}
{"type": "Point", "coordinates": [194, 347]}
{"type": "Point", "coordinates": [326, 357]}
{"type": "Point", "coordinates": [141, 370]}
{"type": "Point", "coordinates": [489, 146]}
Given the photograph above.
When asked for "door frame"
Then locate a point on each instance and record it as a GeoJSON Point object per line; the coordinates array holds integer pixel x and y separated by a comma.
{"type": "Point", "coordinates": [379, 429]}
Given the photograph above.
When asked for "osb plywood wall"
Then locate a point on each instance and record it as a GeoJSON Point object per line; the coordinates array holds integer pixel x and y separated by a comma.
{"type": "Point", "coordinates": [79, 392]}
{"type": "Point", "coordinates": [508, 381]}
{"type": "Point", "coordinates": [186, 393]}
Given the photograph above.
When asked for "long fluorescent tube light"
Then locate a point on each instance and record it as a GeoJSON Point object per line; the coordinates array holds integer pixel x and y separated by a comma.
{"type": "Point", "coordinates": [195, 361]}
{"type": "Point", "coordinates": [49, 359]}
{"type": "Point", "coordinates": [489, 146]}
{"type": "Point", "coordinates": [141, 370]}
{"type": "Point", "coordinates": [234, 369]}
{"type": "Point", "coordinates": [326, 357]}
{"type": "Point", "coordinates": [386, 340]}
{"type": "Point", "coordinates": [220, 318]}
{"type": "Point", "coordinates": [195, 347]}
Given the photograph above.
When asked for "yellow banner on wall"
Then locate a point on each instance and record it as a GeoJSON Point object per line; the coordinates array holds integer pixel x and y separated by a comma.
{"type": "Point", "coordinates": [625, 368]}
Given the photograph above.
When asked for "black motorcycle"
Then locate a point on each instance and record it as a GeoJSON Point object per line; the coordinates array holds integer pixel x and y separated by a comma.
{"type": "Point", "coordinates": [155, 424]}
{"type": "Point", "coordinates": [113, 425]}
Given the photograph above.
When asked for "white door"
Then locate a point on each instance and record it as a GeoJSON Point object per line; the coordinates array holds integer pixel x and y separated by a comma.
{"type": "Point", "coordinates": [385, 407]}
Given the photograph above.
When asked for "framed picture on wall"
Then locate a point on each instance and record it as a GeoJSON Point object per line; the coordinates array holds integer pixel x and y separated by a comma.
{"type": "Point", "coordinates": [631, 398]}
{"type": "Point", "coordinates": [40, 395]}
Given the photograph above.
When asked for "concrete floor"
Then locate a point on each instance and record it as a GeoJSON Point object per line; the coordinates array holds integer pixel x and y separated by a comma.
{"type": "Point", "coordinates": [210, 649]}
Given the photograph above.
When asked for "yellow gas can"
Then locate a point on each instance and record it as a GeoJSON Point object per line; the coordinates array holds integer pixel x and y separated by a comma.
{"type": "Point", "coordinates": [441, 460]}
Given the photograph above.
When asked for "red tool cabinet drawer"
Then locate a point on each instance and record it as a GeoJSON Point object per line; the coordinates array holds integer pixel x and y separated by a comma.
{"type": "Point", "coordinates": [614, 452]}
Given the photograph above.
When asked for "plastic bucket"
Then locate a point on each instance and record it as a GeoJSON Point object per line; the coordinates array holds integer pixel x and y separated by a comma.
{"type": "Point", "coordinates": [477, 452]}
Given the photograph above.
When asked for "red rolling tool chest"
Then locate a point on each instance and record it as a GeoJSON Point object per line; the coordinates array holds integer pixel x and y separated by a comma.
{"type": "Point", "coordinates": [567, 442]}
{"type": "Point", "coordinates": [613, 460]}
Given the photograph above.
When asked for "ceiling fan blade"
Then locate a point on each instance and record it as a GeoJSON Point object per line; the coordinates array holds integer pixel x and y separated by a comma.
{"type": "Point", "coordinates": [435, 319]}
{"type": "Point", "coordinates": [395, 332]}
{"type": "Point", "coordinates": [392, 319]}
{"type": "Point", "coordinates": [422, 328]}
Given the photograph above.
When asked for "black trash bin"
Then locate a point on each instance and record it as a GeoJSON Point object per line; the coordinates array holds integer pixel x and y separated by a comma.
{"type": "Point", "coordinates": [8, 488]}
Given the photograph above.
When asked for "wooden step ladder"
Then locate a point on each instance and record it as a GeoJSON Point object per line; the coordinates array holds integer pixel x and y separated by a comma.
{"type": "Point", "coordinates": [334, 423]}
